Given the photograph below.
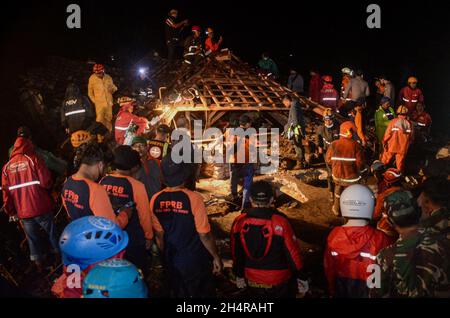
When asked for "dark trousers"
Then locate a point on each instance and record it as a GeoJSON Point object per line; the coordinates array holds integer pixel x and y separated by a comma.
{"type": "Point", "coordinates": [138, 256]}
{"type": "Point", "coordinates": [299, 150]}
{"type": "Point", "coordinates": [246, 172]}
{"type": "Point", "coordinates": [195, 285]}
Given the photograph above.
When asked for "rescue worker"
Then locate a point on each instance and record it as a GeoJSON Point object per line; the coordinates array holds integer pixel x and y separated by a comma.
{"type": "Point", "coordinates": [172, 33]}
{"type": "Point", "coordinates": [193, 49]}
{"type": "Point", "coordinates": [379, 94]}
{"type": "Point", "coordinates": [410, 95]}
{"type": "Point", "coordinates": [26, 183]}
{"type": "Point", "coordinates": [315, 86]}
{"type": "Point", "coordinates": [84, 243]}
{"type": "Point", "coordinates": [212, 42]}
{"type": "Point", "coordinates": [83, 196]}
{"type": "Point", "coordinates": [346, 158]}
{"type": "Point", "coordinates": [388, 88]}
{"type": "Point", "coordinates": [114, 278]}
{"type": "Point", "coordinates": [434, 203]}
{"type": "Point", "coordinates": [358, 88]}
{"type": "Point", "coordinates": [397, 139]}
{"type": "Point", "coordinates": [295, 129]}
{"type": "Point", "coordinates": [347, 75]}
{"type": "Point", "coordinates": [56, 165]}
{"type": "Point", "coordinates": [295, 82]}
{"type": "Point", "coordinates": [149, 173]}
{"type": "Point", "coordinates": [77, 112]}
{"type": "Point", "coordinates": [127, 124]}
{"type": "Point", "coordinates": [326, 134]}
{"type": "Point", "coordinates": [189, 243]}
{"type": "Point", "coordinates": [418, 264]}
{"type": "Point", "coordinates": [353, 247]}
{"type": "Point", "coordinates": [392, 181]}
{"type": "Point", "coordinates": [384, 114]}
{"type": "Point", "coordinates": [143, 86]}
{"type": "Point", "coordinates": [328, 95]}
{"type": "Point", "coordinates": [239, 146]}
{"type": "Point", "coordinates": [356, 114]}
{"type": "Point", "coordinates": [422, 121]}
{"type": "Point", "coordinates": [100, 90]}
{"type": "Point", "coordinates": [124, 190]}
{"type": "Point", "coordinates": [159, 146]}
{"type": "Point", "coordinates": [266, 253]}
{"type": "Point", "coordinates": [268, 66]}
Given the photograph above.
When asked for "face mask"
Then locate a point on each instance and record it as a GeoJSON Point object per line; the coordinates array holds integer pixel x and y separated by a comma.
{"type": "Point", "coordinates": [329, 126]}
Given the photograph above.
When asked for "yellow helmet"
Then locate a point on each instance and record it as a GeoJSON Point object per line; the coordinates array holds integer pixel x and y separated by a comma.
{"type": "Point", "coordinates": [80, 137]}
{"type": "Point", "coordinates": [402, 110]}
{"type": "Point", "coordinates": [412, 80]}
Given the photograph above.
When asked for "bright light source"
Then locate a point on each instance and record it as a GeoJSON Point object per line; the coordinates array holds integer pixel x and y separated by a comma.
{"type": "Point", "coordinates": [142, 70]}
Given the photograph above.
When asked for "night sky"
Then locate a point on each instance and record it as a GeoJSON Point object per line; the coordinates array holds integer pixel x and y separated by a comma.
{"type": "Point", "coordinates": [414, 39]}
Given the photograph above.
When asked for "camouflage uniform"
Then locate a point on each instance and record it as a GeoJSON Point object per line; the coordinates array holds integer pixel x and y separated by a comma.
{"type": "Point", "coordinates": [438, 222]}
{"type": "Point", "coordinates": [415, 266]}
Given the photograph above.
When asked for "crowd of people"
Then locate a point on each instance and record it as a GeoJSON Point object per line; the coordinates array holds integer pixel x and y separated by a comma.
{"type": "Point", "coordinates": [131, 202]}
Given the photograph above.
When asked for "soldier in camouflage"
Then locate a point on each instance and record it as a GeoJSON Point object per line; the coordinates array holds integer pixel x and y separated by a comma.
{"type": "Point", "coordinates": [417, 265]}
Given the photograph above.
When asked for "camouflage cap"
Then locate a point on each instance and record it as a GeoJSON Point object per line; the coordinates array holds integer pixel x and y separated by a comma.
{"type": "Point", "coordinates": [401, 208]}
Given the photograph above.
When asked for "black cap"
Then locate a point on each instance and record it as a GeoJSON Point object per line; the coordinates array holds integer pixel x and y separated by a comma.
{"type": "Point", "coordinates": [24, 132]}
{"type": "Point", "coordinates": [261, 192]}
{"type": "Point", "coordinates": [174, 174]}
{"type": "Point", "coordinates": [125, 158]}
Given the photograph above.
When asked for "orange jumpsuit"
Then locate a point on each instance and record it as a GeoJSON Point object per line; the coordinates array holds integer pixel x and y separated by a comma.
{"type": "Point", "coordinates": [397, 138]}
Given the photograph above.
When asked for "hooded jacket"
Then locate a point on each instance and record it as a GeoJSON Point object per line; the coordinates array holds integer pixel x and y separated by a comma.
{"type": "Point", "coordinates": [349, 252]}
{"type": "Point", "coordinates": [77, 112]}
{"type": "Point", "coordinates": [25, 182]}
{"type": "Point", "coordinates": [123, 120]}
{"type": "Point", "coordinates": [382, 119]}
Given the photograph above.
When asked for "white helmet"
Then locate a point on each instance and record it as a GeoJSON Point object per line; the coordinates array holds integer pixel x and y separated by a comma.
{"type": "Point", "coordinates": [347, 71]}
{"type": "Point", "coordinates": [357, 201]}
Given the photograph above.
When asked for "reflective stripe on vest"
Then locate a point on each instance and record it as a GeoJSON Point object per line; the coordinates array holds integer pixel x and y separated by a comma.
{"type": "Point", "coordinates": [121, 128]}
{"type": "Point", "coordinates": [342, 159]}
{"type": "Point", "coordinates": [329, 98]}
{"type": "Point", "coordinates": [412, 100]}
{"type": "Point", "coordinates": [346, 180]}
{"type": "Point", "coordinates": [333, 253]}
{"type": "Point", "coordinates": [368, 255]}
{"type": "Point", "coordinates": [22, 185]}
{"type": "Point", "coordinates": [75, 112]}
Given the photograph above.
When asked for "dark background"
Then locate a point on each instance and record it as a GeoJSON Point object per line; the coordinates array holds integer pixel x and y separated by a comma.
{"type": "Point", "coordinates": [414, 38]}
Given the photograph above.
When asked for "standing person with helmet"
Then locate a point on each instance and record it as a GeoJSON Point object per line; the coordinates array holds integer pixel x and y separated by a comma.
{"type": "Point", "coordinates": [124, 190]}
{"type": "Point", "coordinates": [114, 278]}
{"type": "Point", "coordinates": [346, 158]}
{"type": "Point", "coordinates": [328, 95]}
{"type": "Point", "coordinates": [172, 33]}
{"type": "Point", "coordinates": [266, 254]}
{"type": "Point", "coordinates": [82, 195]}
{"type": "Point", "coordinates": [347, 75]}
{"type": "Point", "coordinates": [240, 161]}
{"type": "Point", "coordinates": [358, 89]}
{"type": "Point", "coordinates": [392, 181]}
{"type": "Point", "coordinates": [397, 139]}
{"type": "Point", "coordinates": [295, 82]}
{"type": "Point", "coordinates": [410, 95]}
{"type": "Point", "coordinates": [418, 264]}
{"type": "Point", "coordinates": [77, 112]}
{"type": "Point", "coordinates": [193, 47]}
{"type": "Point", "coordinates": [26, 183]}
{"type": "Point", "coordinates": [295, 129]}
{"type": "Point", "coordinates": [127, 124]}
{"type": "Point", "coordinates": [384, 114]}
{"type": "Point", "coordinates": [189, 243]}
{"type": "Point", "coordinates": [353, 247]}
{"type": "Point", "coordinates": [326, 134]}
{"type": "Point", "coordinates": [84, 243]}
{"type": "Point", "coordinates": [100, 90]}
{"type": "Point", "coordinates": [212, 42]}
{"type": "Point", "coordinates": [159, 146]}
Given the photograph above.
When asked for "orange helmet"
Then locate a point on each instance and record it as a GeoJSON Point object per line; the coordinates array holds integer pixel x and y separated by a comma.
{"type": "Point", "coordinates": [392, 175]}
{"type": "Point", "coordinates": [347, 128]}
{"type": "Point", "coordinates": [196, 28]}
{"type": "Point", "coordinates": [327, 78]}
{"type": "Point", "coordinates": [402, 110]}
{"type": "Point", "coordinates": [412, 80]}
{"type": "Point", "coordinates": [98, 68]}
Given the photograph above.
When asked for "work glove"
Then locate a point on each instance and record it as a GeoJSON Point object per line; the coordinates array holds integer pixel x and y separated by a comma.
{"type": "Point", "coordinates": [302, 286]}
{"type": "Point", "coordinates": [240, 282]}
{"type": "Point", "coordinates": [13, 218]}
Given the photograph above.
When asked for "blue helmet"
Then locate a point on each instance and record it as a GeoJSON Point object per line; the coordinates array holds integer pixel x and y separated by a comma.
{"type": "Point", "coordinates": [114, 278]}
{"type": "Point", "coordinates": [91, 239]}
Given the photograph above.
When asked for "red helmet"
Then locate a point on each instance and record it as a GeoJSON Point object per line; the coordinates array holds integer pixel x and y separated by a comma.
{"type": "Point", "coordinates": [196, 28]}
{"type": "Point", "coordinates": [327, 78]}
{"type": "Point", "coordinates": [392, 175]}
{"type": "Point", "coordinates": [347, 129]}
{"type": "Point", "coordinates": [98, 68]}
